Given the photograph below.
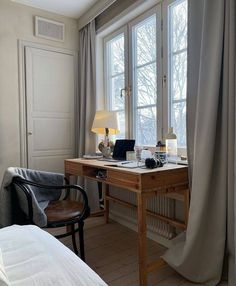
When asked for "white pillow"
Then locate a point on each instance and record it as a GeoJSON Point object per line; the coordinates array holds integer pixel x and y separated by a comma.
{"type": "Point", "coordinates": [3, 276]}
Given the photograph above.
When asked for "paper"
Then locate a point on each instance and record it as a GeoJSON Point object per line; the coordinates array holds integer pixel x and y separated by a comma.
{"type": "Point", "coordinates": [130, 164]}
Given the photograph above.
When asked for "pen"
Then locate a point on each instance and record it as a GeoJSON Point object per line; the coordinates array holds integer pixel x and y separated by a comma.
{"type": "Point", "coordinates": [126, 163]}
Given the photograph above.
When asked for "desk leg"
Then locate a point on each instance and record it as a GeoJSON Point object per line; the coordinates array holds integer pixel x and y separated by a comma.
{"type": "Point", "coordinates": [142, 247]}
{"type": "Point", "coordinates": [105, 188]}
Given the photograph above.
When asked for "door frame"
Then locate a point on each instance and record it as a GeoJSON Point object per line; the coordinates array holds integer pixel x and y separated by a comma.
{"type": "Point", "coordinates": [22, 44]}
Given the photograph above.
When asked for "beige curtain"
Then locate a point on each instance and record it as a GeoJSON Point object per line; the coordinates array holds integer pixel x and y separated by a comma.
{"type": "Point", "coordinates": [87, 89]}
{"type": "Point", "coordinates": [86, 104]}
{"type": "Point", "coordinates": [199, 253]}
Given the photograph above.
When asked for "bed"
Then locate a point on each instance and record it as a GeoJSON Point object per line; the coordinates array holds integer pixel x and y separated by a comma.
{"type": "Point", "coordinates": [31, 256]}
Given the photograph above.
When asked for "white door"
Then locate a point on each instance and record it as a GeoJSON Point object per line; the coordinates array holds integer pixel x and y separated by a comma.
{"type": "Point", "coordinates": [50, 96]}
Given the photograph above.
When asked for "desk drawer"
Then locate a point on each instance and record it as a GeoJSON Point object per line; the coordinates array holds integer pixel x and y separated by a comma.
{"type": "Point", "coordinates": [166, 179]}
{"type": "Point", "coordinates": [73, 168]}
{"type": "Point", "coordinates": [123, 179]}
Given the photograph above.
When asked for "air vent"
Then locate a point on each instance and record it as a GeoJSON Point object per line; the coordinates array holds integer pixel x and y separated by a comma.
{"type": "Point", "coordinates": [49, 29]}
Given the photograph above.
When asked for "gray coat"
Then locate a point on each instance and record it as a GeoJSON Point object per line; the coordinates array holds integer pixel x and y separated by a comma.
{"type": "Point", "coordinates": [41, 197]}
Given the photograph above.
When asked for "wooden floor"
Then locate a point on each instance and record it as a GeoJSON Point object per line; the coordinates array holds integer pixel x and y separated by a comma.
{"type": "Point", "coordinates": [111, 251]}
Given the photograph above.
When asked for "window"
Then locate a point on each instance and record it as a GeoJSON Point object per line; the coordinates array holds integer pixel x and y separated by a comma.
{"type": "Point", "coordinates": [145, 68]}
{"type": "Point", "coordinates": [145, 81]}
{"type": "Point", "coordinates": [177, 17]}
{"type": "Point", "coordinates": [116, 78]}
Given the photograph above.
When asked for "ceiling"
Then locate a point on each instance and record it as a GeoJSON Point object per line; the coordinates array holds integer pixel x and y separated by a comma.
{"type": "Point", "coordinates": [69, 8]}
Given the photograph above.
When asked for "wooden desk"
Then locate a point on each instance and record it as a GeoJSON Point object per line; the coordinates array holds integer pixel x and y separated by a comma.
{"type": "Point", "coordinates": [170, 180]}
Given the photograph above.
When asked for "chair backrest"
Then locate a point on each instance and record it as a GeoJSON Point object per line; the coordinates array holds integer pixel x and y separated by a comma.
{"type": "Point", "coordinates": [27, 208]}
{"type": "Point", "coordinates": [35, 213]}
{"type": "Point", "coordinates": [26, 193]}
{"type": "Point", "coordinates": [32, 199]}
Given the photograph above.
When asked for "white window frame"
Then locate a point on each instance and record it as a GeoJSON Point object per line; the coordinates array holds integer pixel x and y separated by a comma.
{"type": "Point", "coordinates": [166, 69]}
{"type": "Point", "coordinates": [155, 10]}
{"type": "Point", "coordinates": [163, 110]}
{"type": "Point", "coordinates": [106, 68]}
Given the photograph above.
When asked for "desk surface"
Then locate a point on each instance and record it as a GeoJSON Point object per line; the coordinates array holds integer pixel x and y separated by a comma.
{"type": "Point", "coordinates": [135, 179]}
{"type": "Point", "coordinates": [110, 165]}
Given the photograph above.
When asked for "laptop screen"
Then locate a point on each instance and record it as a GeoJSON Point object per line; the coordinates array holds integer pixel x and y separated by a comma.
{"type": "Point", "coordinates": [120, 148]}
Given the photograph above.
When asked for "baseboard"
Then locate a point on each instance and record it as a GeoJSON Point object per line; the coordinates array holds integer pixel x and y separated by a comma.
{"type": "Point", "coordinates": [132, 224]}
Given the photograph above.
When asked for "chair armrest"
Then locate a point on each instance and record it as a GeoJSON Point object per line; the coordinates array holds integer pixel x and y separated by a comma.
{"type": "Point", "coordinates": [22, 183]}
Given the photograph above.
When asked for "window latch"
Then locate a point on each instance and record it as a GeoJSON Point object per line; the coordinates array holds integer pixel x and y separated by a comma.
{"type": "Point", "coordinates": [125, 91]}
{"type": "Point", "coordinates": [122, 92]}
{"type": "Point", "coordinates": [164, 79]}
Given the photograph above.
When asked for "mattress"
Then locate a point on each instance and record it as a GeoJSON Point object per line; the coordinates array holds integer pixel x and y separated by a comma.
{"type": "Point", "coordinates": [33, 257]}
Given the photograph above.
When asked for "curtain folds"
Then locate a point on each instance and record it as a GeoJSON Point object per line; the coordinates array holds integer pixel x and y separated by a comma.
{"type": "Point", "coordinates": [87, 89]}
{"type": "Point", "coordinates": [86, 103]}
{"type": "Point", "coordinates": [199, 253]}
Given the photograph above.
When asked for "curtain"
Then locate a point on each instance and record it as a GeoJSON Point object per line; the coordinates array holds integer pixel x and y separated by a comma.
{"type": "Point", "coordinates": [86, 104]}
{"type": "Point", "coordinates": [87, 89]}
{"type": "Point", "coordinates": [198, 254]}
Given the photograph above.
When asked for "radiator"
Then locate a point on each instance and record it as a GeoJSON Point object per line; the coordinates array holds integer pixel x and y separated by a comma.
{"type": "Point", "coordinates": [159, 204]}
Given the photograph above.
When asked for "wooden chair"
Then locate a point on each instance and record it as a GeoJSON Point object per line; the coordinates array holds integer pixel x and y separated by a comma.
{"type": "Point", "coordinates": [59, 213]}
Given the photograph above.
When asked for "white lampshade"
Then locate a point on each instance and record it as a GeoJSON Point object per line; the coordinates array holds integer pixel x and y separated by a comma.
{"type": "Point", "coordinates": [105, 119]}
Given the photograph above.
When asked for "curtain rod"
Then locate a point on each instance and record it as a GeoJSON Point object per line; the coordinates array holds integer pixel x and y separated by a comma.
{"type": "Point", "coordinates": [93, 12]}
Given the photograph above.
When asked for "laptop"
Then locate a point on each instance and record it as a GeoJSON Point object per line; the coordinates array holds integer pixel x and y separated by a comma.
{"type": "Point", "coordinates": [120, 148]}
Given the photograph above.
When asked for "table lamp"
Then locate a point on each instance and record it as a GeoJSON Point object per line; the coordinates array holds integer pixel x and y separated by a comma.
{"type": "Point", "coordinates": [105, 122]}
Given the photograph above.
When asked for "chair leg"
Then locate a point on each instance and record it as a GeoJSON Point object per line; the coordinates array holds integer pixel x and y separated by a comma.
{"type": "Point", "coordinates": [81, 240]}
{"type": "Point", "coordinates": [73, 239]}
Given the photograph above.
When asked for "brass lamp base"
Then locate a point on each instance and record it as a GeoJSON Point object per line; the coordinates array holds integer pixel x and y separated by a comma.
{"type": "Point", "coordinates": [106, 150]}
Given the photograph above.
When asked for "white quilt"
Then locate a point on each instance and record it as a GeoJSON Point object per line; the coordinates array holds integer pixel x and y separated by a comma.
{"type": "Point", "coordinates": [33, 257]}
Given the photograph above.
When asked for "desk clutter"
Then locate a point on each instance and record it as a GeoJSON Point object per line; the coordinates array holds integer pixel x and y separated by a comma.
{"type": "Point", "coordinates": [101, 174]}
{"type": "Point", "coordinates": [126, 155]}
{"type": "Point", "coordinates": [152, 163]}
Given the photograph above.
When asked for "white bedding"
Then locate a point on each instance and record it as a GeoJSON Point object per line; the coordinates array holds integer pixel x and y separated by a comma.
{"type": "Point", "coordinates": [33, 257]}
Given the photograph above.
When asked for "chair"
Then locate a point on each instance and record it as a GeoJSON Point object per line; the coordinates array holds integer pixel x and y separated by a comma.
{"type": "Point", "coordinates": [60, 212]}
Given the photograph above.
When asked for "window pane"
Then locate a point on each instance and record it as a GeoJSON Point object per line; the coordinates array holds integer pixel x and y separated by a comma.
{"type": "Point", "coordinates": [179, 25]}
{"type": "Point", "coordinates": [145, 81]}
{"type": "Point", "coordinates": [146, 85]}
{"type": "Point", "coordinates": [121, 118]}
{"type": "Point", "coordinates": [178, 69]}
{"type": "Point", "coordinates": [179, 79]}
{"type": "Point", "coordinates": [145, 38]}
{"type": "Point", "coordinates": [146, 126]}
{"type": "Point", "coordinates": [117, 63]}
{"type": "Point", "coordinates": [117, 102]}
{"type": "Point", "coordinates": [179, 122]}
{"type": "Point", "coordinates": [116, 79]}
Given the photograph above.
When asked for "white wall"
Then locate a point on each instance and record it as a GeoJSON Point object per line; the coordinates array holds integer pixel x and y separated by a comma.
{"type": "Point", "coordinates": [17, 22]}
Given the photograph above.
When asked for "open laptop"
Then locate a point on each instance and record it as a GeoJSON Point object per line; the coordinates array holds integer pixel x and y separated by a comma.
{"type": "Point", "coordinates": [120, 148]}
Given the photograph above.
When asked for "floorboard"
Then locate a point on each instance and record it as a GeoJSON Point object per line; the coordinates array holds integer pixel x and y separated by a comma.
{"type": "Point", "coordinates": [111, 251]}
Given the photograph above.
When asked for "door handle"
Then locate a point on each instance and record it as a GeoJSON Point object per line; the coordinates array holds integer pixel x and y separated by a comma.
{"type": "Point", "coordinates": [30, 133]}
